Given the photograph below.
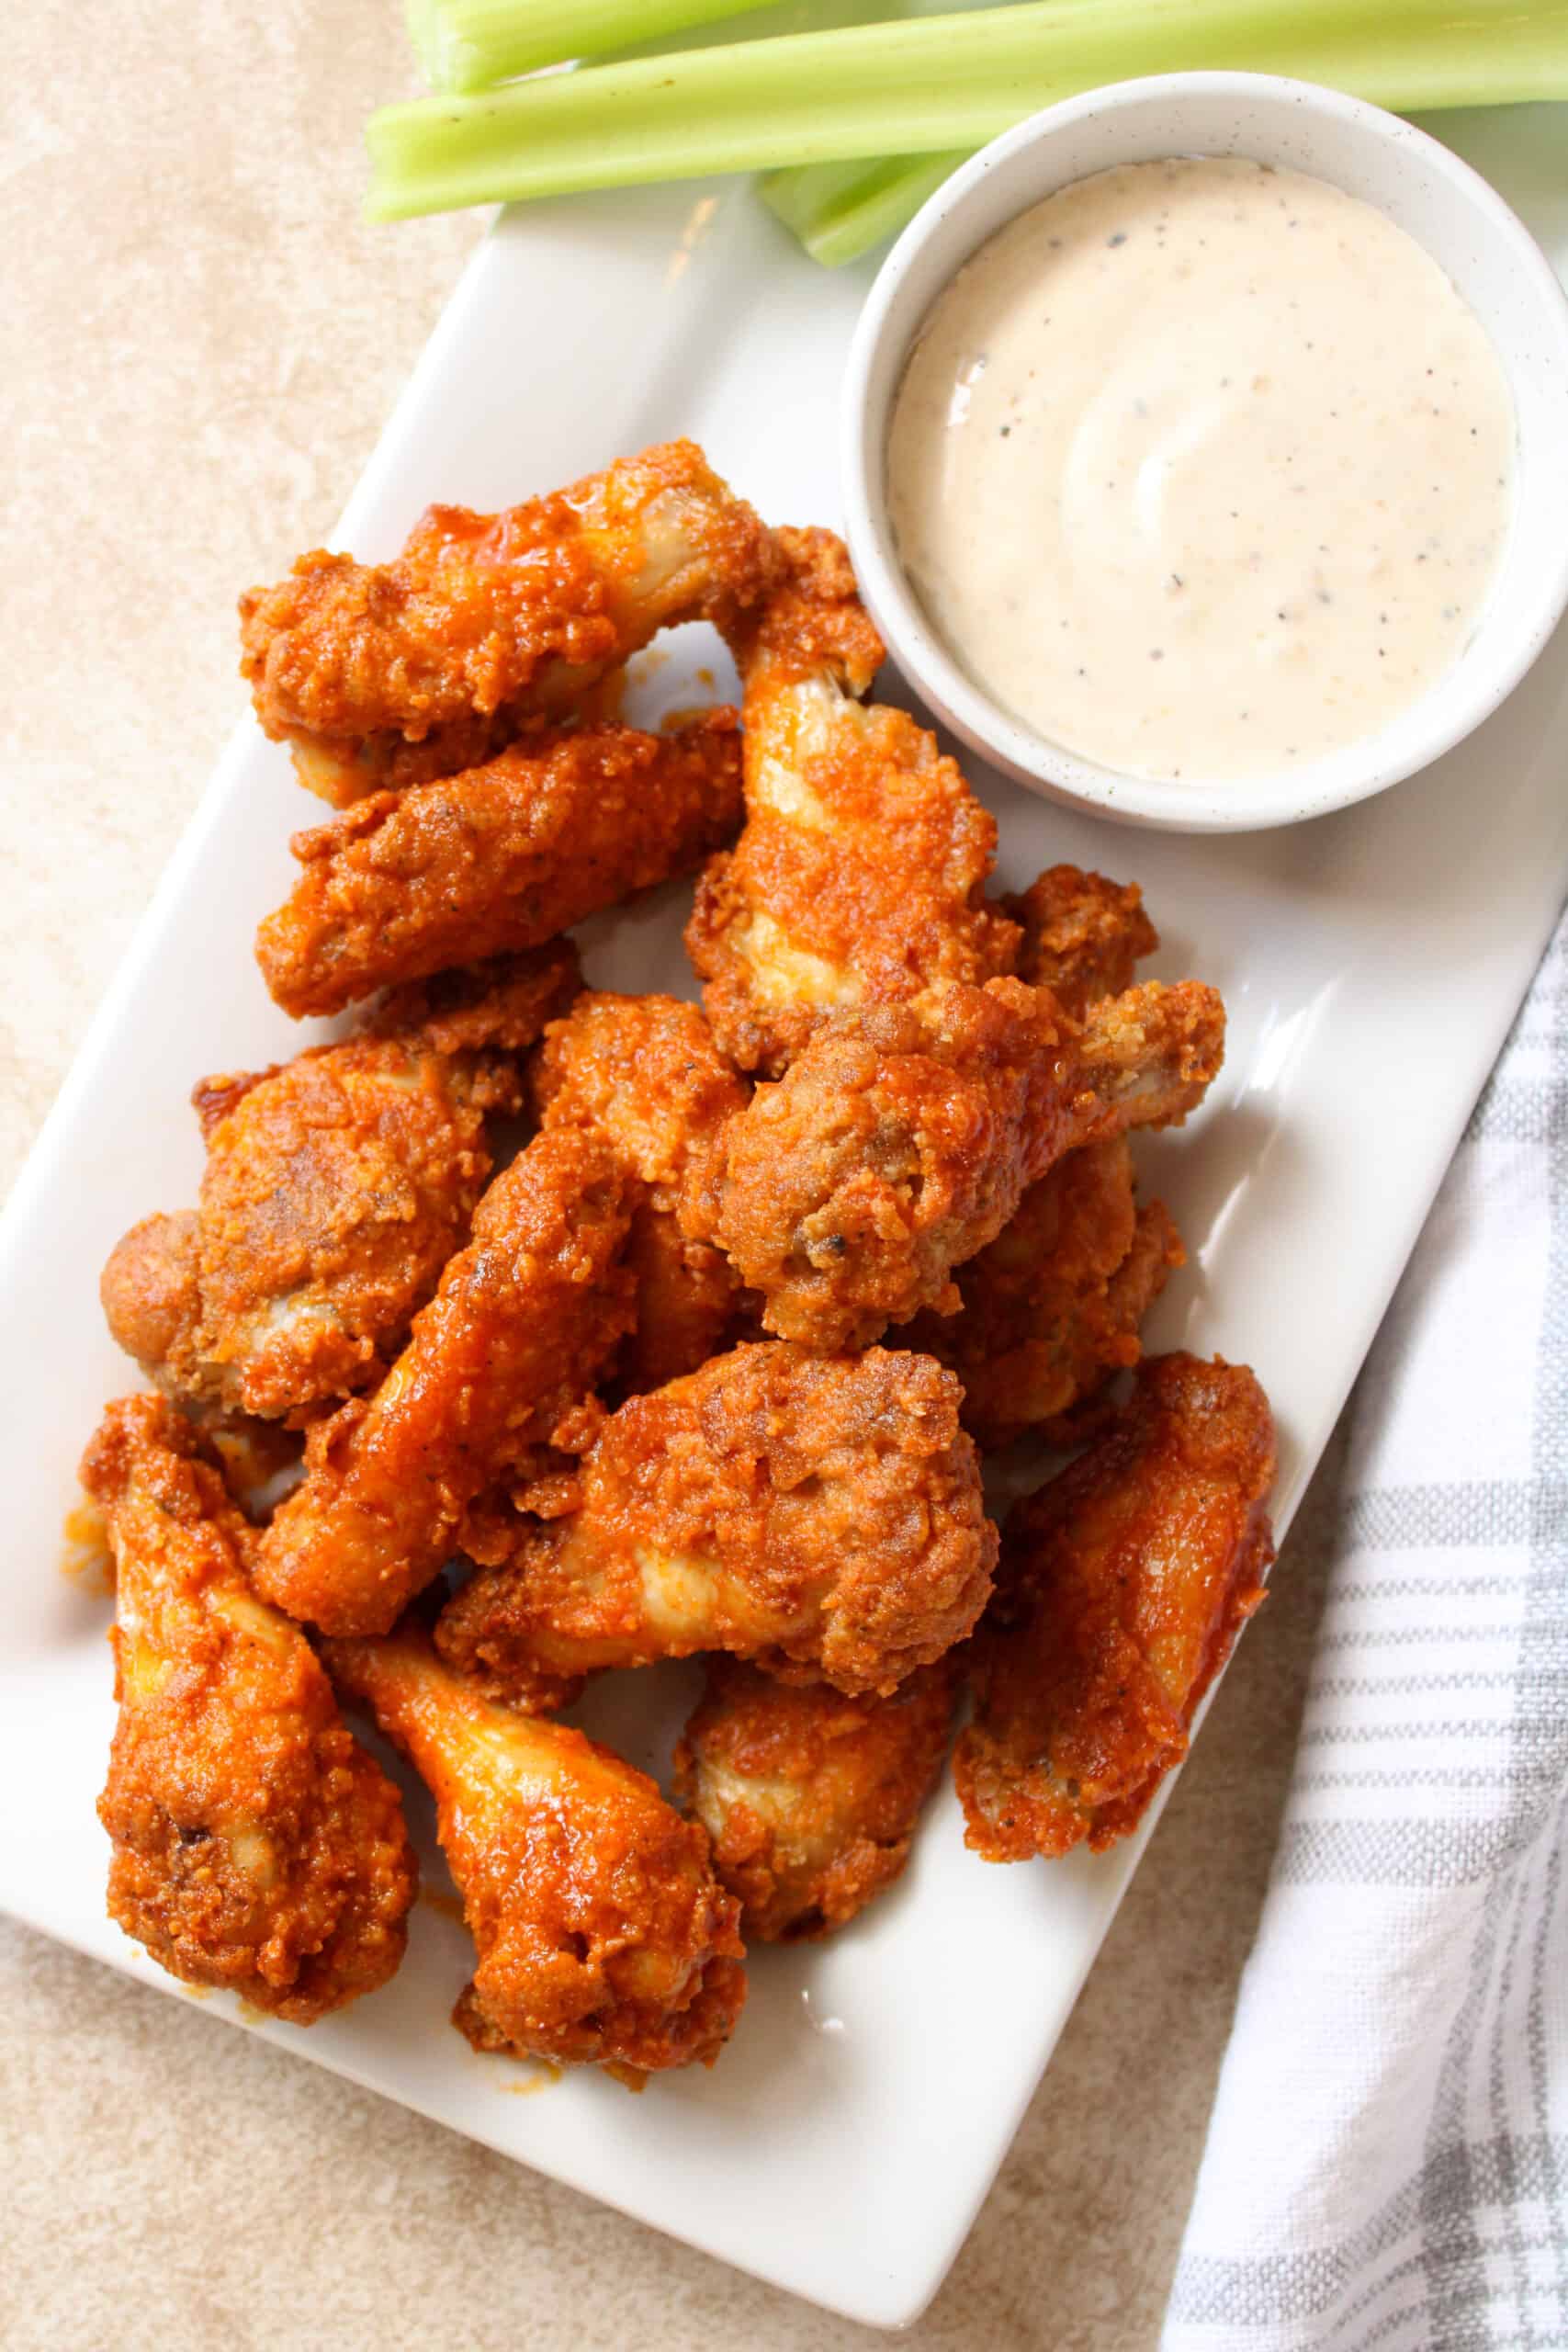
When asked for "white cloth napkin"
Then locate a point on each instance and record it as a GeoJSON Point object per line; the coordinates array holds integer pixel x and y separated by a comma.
{"type": "Point", "coordinates": [1387, 2162]}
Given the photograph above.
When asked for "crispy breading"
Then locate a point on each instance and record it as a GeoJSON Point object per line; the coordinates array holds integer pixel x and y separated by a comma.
{"type": "Point", "coordinates": [858, 878]}
{"type": "Point", "coordinates": [337, 1188]}
{"type": "Point", "coordinates": [1125, 1583]}
{"type": "Point", "coordinates": [257, 1846]}
{"type": "Point", "coordinates": [689, 1304]}
{"type": "Point", "coordinates": [1052, 1308]}
{"type": "Point", "coordinates": [501, 1004]}
{"type": "Point", "coordinates": [602, 1937]}
{"type": "Point", "coordinates": [645, 1073]}
{"type": "Point", "coordinates": [811, 1798]}
{"type": "Point", "coordinates": [150, 1294]}
{"type": "Point", "coordinates": [523, 1319]}
{"type": "Point", "coordinates": [487, 619]}
{"type": "Point", "coordinates": [900, 1144]}
{"type": "Point", "coordinates": [342, 772]}
{"type": "Point", "coordinates": [819, 1514]}
{"type": "Point", "coordinates": [1082, 935]}
{"type": "Point", "coordinates": [500, 858]}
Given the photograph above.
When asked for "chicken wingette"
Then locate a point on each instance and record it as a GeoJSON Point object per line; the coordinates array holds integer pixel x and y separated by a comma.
{"type": "Point", "coordinates": [389, 674]}
{"type": "Point", "coordinates": [1125, 1583]}
{"type": "Point", "coordinates": [497, 859]}
{"type": "Point", "coordinates": [519, 1327]}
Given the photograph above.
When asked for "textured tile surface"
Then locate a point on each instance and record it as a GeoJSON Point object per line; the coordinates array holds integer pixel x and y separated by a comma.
{"type": "Point", "coordinates": [198, 343]}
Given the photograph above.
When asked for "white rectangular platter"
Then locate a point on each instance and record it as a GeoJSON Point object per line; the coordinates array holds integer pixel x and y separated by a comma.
{"type": "Point", "coordinates": [1372, 963]}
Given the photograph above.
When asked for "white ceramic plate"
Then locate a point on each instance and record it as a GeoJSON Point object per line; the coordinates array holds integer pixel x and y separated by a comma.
{"type": "Point", "coordinates": [1372, 963]}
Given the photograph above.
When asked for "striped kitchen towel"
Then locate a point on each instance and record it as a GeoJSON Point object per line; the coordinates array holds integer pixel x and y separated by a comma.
{"type": "Point", "coordinates": [1387, 2162]}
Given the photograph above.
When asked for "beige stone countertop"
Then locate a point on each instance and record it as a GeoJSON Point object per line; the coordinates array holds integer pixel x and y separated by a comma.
{"type": "Point", "coordinates": [201, 342]}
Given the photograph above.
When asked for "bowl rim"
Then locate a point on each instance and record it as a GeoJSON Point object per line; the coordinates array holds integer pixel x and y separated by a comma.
{"type": "Point", "coordinates": [1242, 804]}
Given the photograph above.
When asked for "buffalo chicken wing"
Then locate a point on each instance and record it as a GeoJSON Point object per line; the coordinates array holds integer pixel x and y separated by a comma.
{"type": "Point", "coordinates": [256, 1845]}
{"type": "Point", "coordinates": [644, 1073]}
{"type": "Point", "coordinates": [602, 1937]}
{"type": "Point", "coordinates": [1052, 1308]}
{"type": "Point", "coordinates": [897, 1145]}
{"type": "Point", "coordinates": [337, 1188]}
{"type": "Point", "coordinates": [391, 673]}
{"type": "Point", "coordinates": [1124, 1582]}
{"type": "Point", "coordinates": [500, 858]}
{"type": "Point", "coordinates": [858, 878]}
{"type": "Point", "coordinates": [822, 1515]}
{"type": "Point", "coordinates": [516, 1334]}
{"type": "Point", "coordinates": [1082, 935]}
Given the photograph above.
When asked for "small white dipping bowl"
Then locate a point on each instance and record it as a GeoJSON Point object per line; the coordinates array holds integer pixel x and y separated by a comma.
{"type": "Point", "coordinates": [1450, 209]}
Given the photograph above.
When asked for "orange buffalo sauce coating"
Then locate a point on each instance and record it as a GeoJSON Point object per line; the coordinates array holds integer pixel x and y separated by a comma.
{"type": "Point", "coordinates": [1124, 1582]}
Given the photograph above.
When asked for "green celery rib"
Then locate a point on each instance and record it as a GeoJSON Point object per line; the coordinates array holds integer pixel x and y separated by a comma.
{"type": "Point", "coordinates": [929, 85]}
{"type": "Point", "coordinates": [840, 210]}
{"type": "Point", "coordinates": [421, 20]}
{"type": "Point", "coordinates": [472, 44]}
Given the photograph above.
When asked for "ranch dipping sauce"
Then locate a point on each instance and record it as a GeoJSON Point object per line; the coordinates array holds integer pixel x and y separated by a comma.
{"type": "Point", "coordinates": [1202, 468]}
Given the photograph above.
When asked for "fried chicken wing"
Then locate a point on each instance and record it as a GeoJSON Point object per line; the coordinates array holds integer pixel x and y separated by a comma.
{"type": "Point", "coordinates": [256, 1845]}
{"type": "Point", "coordinates": [487, 619]}
{"type": "Point", "coordinates": [602, 1937]}
{"type": "Point", "coordinates": [811, 1798]}
{"type": "Point", "coordinates": [1125, 1583]}
{"type": "Point", "coordinates": [1082, 935]}
{"type": "Point", "coordinates": [644, 1072]}
{"type": "Point", "coordinates": [900, 1144]}
{"type": "Point", "coordinates": [823, 1514]}
{"type": "Point", "coordinates": [858, 878]}
{"type": "Point", "coordinates": [337, 1188]}
{"type": "Point", "coordinates": [1052, 1308]}
{"type": "Point", "coordinates": [498, 859]}
{"type": "Point", "coordinates": [150, 1294]}
{"type": "Point", "coordinates": [523, 1319]}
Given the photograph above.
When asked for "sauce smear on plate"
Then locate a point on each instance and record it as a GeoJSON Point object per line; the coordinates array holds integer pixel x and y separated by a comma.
{"type": "Point", "coordinates": [1203, 468]}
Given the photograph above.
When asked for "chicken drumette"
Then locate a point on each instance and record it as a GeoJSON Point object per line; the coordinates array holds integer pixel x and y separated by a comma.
{"type": "Point", "coordinates": [389, 674]}
{"type": "Point", "coordinates": [1125, 1583]}
{"type": "Point", "coordinates": [257, 1846]}
{"type": "Point", "coordinates": [821, 1514]}
{"type": "Point", "coordinates": [500, 858]}
{"type": "Point", "coordinates": [337, 1188]}
{"type": "Point", "coordinates": [858, 878]}
{"type": "Point", "coordinates": [900, 1143]}
{"type": "Point", "coordinates": [811, 1797]}
{"type": "Point", "coordinates": [602, 1937]}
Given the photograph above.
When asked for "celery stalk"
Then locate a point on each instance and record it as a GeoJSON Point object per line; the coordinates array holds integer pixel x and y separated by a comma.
{"type": "Point", "coordinates": [421, 20]}
{"type": "Point", "coordinates": [840, 210]}
{"type": "Point", "coordinates": [929, 85]}
{"type": "Point", "coordinates": [472, 44]}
